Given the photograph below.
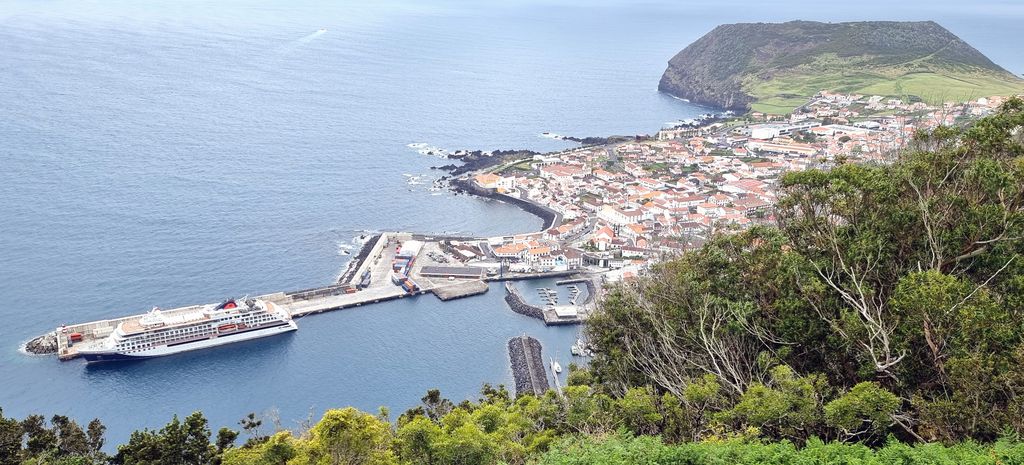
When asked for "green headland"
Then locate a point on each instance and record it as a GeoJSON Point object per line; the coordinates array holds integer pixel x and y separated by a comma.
{"type": "Point", "coordinates": [775, 68]}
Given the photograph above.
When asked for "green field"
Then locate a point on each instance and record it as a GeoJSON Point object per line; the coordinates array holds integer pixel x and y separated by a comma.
{"type": "Point", "coordinates": [781, 93]}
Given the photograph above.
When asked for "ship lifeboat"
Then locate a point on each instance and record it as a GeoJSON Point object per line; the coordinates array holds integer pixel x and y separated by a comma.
{"type": "Point", "coordinates": [227, 328]}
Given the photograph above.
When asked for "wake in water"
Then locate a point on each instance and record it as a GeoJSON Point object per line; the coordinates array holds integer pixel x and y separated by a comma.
{"type": "Point", "coordinates": [290, 46]}
{"type": "Point", "coordinates": [309, 38]}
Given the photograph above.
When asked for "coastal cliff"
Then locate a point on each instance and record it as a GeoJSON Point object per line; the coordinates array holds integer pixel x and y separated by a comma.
{"type": "Point", "coordinates": [777, 66]}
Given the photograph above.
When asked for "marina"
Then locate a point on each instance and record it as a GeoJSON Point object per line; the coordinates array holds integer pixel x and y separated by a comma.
{"type": "Point", "coordinates": [389, 266]}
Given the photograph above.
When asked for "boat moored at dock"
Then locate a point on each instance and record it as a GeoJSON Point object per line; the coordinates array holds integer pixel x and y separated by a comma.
{"type": "Point", "coordinates": [159, 333]}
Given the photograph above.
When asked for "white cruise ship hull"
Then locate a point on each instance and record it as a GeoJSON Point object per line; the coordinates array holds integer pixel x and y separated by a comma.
{"type": "Point", "coordinates": [205, 343]}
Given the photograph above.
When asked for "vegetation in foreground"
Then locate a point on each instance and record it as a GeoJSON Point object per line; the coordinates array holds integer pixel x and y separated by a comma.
{"type": "Point", "coordinates": [880, 321]}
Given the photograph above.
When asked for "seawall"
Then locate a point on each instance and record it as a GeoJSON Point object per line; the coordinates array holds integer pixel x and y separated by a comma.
{"type": "Point", "coordinates": [550, 217]}
{"type": "Point", "coordinates": [518, 305]}
{"type": "Point", "coordinates": [528, 370]}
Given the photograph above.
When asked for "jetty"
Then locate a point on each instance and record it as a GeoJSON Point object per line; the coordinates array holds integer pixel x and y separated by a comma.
{"type": "Point", "coordinates": [389, 266]}
{"type": "Point", "coordinates": [551, 315]}
{"type": "Point", "coordinates": [524, 354]}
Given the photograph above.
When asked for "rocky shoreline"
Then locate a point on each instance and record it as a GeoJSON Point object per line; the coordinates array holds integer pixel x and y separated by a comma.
{"type": "Point", "coordinates": [477, 160]}
{"type": "Point", "coordinates": [43, 345]}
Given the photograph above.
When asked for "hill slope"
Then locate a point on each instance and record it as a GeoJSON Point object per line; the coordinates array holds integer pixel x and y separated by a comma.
{"type": "Point", "coordinates": [776, 67]}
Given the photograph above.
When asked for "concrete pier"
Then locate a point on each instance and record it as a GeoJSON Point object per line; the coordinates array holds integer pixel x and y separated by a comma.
{"type": "Point", "coordinates": [460, 290]}
{"type": "Point", "coordinates": [447, 281]}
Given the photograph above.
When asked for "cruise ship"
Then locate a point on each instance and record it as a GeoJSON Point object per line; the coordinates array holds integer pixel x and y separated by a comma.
{"type": "Point", "coordinates": [159, 333]}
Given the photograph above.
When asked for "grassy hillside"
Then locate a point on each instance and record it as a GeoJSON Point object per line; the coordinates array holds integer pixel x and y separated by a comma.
{"type": "Point", "coordinates": [785, 91]}
{"type": "Point", "coordinates": [777, 67]}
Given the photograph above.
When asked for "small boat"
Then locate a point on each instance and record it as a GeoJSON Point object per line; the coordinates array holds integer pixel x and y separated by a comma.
{"type": "Point", "coordinates": [323, 29]}
{"type": "Point", "coordinates": [346, 252]}
{"type": "Point", "coordinates": [555, 366]}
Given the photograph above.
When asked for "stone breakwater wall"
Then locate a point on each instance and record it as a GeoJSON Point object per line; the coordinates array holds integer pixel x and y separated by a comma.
{"type": "Point", "coordinates": [527, 366]}
{"type": "Point", "coordinates": [591, 291]}
{"type": "Point", "coordinates": [518, 305]}
{"type": "Point", "coordinates": [550, 217]}
{"type": "Point", "coordinates": [43, 345]}
{"type": "Point", "coordinates": [353, 265]}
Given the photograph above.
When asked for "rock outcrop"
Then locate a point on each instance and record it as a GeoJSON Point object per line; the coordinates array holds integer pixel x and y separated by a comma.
{"type": "Point", "coordinates": [43, 345]}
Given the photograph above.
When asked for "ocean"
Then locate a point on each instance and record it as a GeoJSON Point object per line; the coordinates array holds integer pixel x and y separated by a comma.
{"type": "Point", "coordinates": [165, 153]}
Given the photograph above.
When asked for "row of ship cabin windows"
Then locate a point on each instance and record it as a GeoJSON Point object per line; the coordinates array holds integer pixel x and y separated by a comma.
{"type": "Point", "coordinates": [154, 338]}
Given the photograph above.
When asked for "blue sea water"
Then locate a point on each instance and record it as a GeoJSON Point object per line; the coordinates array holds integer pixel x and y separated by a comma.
{"type": "Point", "coordinates": [173, 152]}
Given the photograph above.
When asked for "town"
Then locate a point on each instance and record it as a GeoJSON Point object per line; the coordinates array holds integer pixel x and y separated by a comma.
{"type": "Point", "coordinates": [624, 206]}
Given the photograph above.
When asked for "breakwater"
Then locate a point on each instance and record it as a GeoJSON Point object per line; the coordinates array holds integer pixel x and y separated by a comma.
{"type": "Point", "coordinates": [570, 314]}
{"type": "Point", "coordinates": [519, 305]}
{"type": "Point", "coordinates": [550, 217]}
{"type": "Point", "coordinates": [43, 345]}
{"type": "Point", "coordinates": [357, 261]}
{"type": "Point", "coordinates": [528, 370]}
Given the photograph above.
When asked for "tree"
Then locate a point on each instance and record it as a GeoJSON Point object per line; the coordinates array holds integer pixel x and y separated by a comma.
{"type": "Point", "coordinates": [94, 435]}
{"type": "Point", "coordinates": [278, 449]}
{"type": "Point", "coordinates": [177, 443]}
{"type": "Point", "coordinates": [436, 406]}
{"type": "Point", "coordinates": [40, 438]}
{"type": "Point", "coordinates": [10, 440]}
{"type": "Point", "coordinates": [196, 448]}
{"type": "Point", "coordinates": [638, 410]}
{"type": "Point", "coordinates": [225, 439]}
{"type": "Point", "coordinates": [789, 406]}
{"type": "Point", "coordinates": [866, 410]}
{"type": "Point", "coordinates": [466, 445]}
{"type": "Point", "coordinates": [251, 425]}
{"type": "Point", "coordinates": [418, 441]}
{"type": "Point", "coordinates": [71, 440]}
{"type": "Point", "coordinates": [143, 448]}
{"type": "Point", "coordinates": [350, 437]}
{"type": "Point", "coordinates": [951, 205]}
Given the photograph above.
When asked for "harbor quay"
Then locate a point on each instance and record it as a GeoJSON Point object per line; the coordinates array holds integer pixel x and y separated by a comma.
{"type": "Point", "coordinates": [389, 266]}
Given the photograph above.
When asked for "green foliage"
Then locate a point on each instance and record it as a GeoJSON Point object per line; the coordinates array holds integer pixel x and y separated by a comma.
{"type": "Point", "coordinates": [10, 440]}
{"type": "Point", "coordinates": [864, 410]}
{"type": "Point", "coordinates": [348, 436]}
{"type": "Point", "coordinates": [275, 450]}
{"type": "Point", "coordinates": [646, 450]}
{"type": "Point", "coordinates": [179, 443]}
{"type": "Point", "coordinates": [890, 293]}
{"type": "Point", "coordinates": [788, 407]}
{"type": "Point", "coordinates": [32, 441]}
